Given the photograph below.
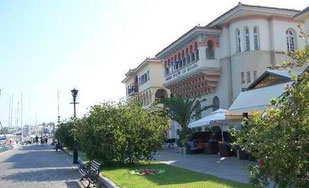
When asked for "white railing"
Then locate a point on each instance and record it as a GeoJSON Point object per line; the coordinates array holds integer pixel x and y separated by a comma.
{"type": "Point", "coordinates": [184, 70]}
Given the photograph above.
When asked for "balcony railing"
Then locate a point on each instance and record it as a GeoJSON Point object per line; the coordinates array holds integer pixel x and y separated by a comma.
{"type": "Point", "coordinates": [132, 90]}
{"type": "Point", "coordinates": [188, 68]}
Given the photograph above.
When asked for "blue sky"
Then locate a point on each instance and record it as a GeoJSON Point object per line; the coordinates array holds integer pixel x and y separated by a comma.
{"type": "Point", "coordinates": [61, 44]}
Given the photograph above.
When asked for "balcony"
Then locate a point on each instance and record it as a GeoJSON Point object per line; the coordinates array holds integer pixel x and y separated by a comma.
{"type": "Point", "coordinates": [133, 90]}
{"type": "Point", "coordinates": [208, 67]}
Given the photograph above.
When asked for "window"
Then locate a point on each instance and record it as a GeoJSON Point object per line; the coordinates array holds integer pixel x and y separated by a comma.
{"type": "Point", "coordinates": [215, 103]}
{"type": "Point", "coordinates": [247, 39]}
{"type": "Point", "coordinates": [248, 77]}
{"type": "Point", "coordinates": [256, 37]}
{"type": "Point", "coordinates": [188, 59]}
{"type": "Point", "coordinates": [242, 74]}
{"type": "Point", "coordinates": [290, 40]}
{"type": "Point", "coordinates": [144, 78]}
{"type": "Point", "coordinates": [238, 48]}
{"type": "Point", "coordinates": [254, 75]}
{"type": "Point", "coordinates": [198, 113]}
{"type": "Point", "coordinates": [210, 52]}
{"type": "Point", "coordinates": [180, 63]}
{"type": "Point", "coordinates": [192, 57]}
{"type": "Point", "coordinates": [197, 55]}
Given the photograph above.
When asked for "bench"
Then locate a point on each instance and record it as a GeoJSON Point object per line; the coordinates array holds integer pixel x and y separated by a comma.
{"type": "Point", "coordinates": [90, 173]}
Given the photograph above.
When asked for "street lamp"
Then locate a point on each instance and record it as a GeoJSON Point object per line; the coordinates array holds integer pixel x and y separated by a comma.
{"type": "Point", "coordinates": [75, 152]}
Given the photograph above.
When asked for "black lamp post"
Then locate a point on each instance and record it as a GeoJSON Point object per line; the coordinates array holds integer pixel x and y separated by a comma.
{"type": "Point", "coordinates": [75, 152]}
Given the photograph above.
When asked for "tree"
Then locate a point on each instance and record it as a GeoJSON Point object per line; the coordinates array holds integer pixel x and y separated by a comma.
{"type": "Point", "coordinates": [181, 110]}
{"type": "Point", "coordinates": [121, 132]}
{"type": "Point", "coordinates": [280, 141]}
{"type": "Point", "coordinates": [65, 134]}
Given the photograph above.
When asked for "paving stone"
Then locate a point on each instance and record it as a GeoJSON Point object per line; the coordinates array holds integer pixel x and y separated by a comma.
{"type": "Point", "coordinates": [37, 166]}
{"type": "Point", "coordinates": [223, 167]}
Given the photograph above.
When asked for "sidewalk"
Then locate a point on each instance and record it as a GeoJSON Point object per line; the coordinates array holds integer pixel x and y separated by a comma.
{"type": "Point", "coordinates": [37, 166]}
{"type": "Point", "coordinates": [227, 168]}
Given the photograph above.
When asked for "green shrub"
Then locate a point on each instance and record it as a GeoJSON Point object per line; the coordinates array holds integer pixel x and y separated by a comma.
{"type": "Point", "coordinates": [121, 133]}
{"type": "Point", "coordinates": [65, 134]}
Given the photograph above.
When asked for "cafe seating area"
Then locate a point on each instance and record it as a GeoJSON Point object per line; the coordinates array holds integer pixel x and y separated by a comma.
{"type": "Point", "coordinates": [211, 143]}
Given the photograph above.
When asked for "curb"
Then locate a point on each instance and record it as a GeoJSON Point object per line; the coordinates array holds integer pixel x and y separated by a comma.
{"type": "Point", "coordinates": [102, 179]}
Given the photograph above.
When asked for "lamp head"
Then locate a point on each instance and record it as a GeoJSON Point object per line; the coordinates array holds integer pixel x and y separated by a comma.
{"type": "Point", "coordinates": [74, 92]}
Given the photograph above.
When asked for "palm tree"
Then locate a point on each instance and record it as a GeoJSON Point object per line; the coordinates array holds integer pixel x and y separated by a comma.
{"type": "Point", "coordinates": [182, 110]}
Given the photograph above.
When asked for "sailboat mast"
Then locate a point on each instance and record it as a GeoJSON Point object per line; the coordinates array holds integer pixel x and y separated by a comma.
{"type": "Point", "coordinates": [12, 108]}
{"type": "Point", "coordinates": [21, 116]}
{"type": "Point", "coordinates": [58, 107]}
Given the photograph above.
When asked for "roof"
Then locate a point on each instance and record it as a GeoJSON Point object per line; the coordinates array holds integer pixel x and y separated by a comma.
{"type": "Point", "coordinates": [240, 6]}
{"type": "Point", "coordinates": [306, 10]}
{"type": "Point", "coordinates": [212, 25]}
{"type": "Point", "coordinates": [194, 30]}
{"type": "Point", "coordinates": [283, 74]}
{"type": "Point", "coordinates": [257, 99]}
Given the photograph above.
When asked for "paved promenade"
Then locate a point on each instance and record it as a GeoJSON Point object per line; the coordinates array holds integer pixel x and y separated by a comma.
{"type": "Point", "coordinates": [227, 168]}
{"type": "Point", "coordinates": [37, 166]}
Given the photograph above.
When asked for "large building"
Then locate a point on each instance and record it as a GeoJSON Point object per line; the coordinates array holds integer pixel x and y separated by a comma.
{"type": "Point", "coordinates": [221, 59]}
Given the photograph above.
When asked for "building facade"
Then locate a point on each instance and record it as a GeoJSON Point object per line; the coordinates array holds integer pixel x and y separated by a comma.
{"type": "Point", "coordinates": [145, 82]}
{"type": "Point", "coordinates": [218, 61]}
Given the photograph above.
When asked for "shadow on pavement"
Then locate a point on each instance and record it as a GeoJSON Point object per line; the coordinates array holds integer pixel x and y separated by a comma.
{"type": "Point", "coordinates": [47, 175]}
{"type": "Point", "coordinates": [38, 157]}
{"type": "Point", "coordinates": [36, 147]}
{"type": "Point", "coordinates": [72, 184]}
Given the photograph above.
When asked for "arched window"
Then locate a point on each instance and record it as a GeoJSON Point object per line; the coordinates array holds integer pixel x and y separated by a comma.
{"type": "Point", "coordinates": [210, 52]}
{"type": "Point", "coordinates": [256, 36]}
{"type": "Point", "coordinates": [238, 48]}
{"type": "Point", "coordinates": [290, 40]}
{"type": "Point", "coordinates": [215, 103]}
{"type": "Point", "coordinates": [188, 59]}
{"type": "Point", "coordinates": [247, 39]}
{"type": "Point", "coordinates": [198, 113]}
{"type": "Point", "coordinates": [192, 57]}
{"type": "Point", "coordinates": [197, 55]}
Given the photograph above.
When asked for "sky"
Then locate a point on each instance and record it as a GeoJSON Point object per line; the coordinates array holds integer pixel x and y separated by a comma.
{"type": "Point", "coordinates": [52, 45]}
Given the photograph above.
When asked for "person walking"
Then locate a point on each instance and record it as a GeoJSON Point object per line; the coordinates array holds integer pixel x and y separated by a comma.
{"type": "Point", "coordinates": [36, 139]}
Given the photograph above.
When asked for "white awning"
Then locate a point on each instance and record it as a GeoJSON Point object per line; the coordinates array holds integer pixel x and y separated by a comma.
{"type": "Point", "coordinates": [217, 115]}
{"type": "Point", "coordinates": [257, 99]}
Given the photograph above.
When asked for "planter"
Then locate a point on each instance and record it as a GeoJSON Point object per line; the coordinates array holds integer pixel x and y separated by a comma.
{"type": "Point", "coordinates": [214, 148]}
{"type": "Point", "coordinates": [225, 149]}
{"type": "Point", "coordinates": [241, 154]}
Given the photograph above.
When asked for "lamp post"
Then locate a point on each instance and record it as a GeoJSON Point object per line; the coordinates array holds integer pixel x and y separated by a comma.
{"type": "Point", "coordinates": [75, 152]}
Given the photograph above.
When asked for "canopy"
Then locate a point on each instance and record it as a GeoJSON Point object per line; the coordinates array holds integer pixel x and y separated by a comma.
{"type": "Point", "coordinates": [217, 115]}
{"type": "Point", "coordinates": [257, 99]}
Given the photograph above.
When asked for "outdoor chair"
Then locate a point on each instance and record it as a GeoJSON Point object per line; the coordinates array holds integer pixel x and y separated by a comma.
{"type": "Point", "coordinates": [191, 147]}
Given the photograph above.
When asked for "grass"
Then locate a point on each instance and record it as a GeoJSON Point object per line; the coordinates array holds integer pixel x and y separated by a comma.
{"type": "Point", "coordinates": [173, 177]}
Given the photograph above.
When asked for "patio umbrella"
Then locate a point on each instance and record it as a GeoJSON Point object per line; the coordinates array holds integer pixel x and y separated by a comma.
{"type": "Point", "coordinates": [218, 115]}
